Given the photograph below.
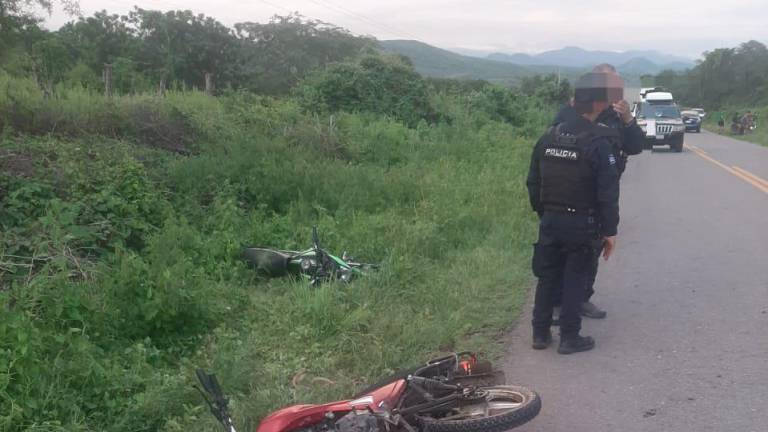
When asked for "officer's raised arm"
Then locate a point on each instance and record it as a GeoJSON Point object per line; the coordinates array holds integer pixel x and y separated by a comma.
{"type": "Point", "coordinates": [633, 138]}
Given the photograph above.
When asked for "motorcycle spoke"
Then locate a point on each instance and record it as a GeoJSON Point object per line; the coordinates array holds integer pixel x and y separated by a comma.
{"type": "Point", "coordinates": [488, 407]}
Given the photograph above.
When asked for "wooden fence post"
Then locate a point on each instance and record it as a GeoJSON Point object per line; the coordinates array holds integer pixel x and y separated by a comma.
{"type": "Point", "coordinates": [108, 79]}
{"type": "Point", "coordinates": [208, 83]}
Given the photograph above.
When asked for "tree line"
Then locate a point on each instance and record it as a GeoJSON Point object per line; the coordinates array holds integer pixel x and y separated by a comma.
{"type": "Point", "coordinates": [148, 49]}
{"type": "Point", "coordinates": [723, 77]}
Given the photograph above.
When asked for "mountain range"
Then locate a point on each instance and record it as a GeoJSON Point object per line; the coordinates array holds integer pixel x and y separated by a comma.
{"type": "Point", "coordinates": [437, 62]}
{"type": "Point", "coordinates": [634, 61]}
{"type": "Point", "coordinates": [569, 62]}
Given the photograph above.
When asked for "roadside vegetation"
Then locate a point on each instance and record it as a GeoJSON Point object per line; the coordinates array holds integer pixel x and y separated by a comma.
{"type": "Point", "coordinates": [758, 136]}
{"type": "Point", "coordinates": [724, 82]}
{"type": "Point", "coordinates": [122, 218]}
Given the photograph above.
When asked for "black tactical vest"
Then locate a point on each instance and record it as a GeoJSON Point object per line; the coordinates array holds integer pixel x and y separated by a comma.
{"type": "Point", "coordinates": [568, 181]}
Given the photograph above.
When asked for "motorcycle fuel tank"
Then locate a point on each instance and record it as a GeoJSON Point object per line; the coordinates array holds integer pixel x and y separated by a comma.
{"type": "Point", "coordinates": [302, 416]}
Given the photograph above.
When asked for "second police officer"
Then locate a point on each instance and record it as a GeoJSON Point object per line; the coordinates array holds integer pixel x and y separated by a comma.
{"type": "Point", "coordinates": [630, 141]}
{"type": "Point", "coordinates": [573, 184]}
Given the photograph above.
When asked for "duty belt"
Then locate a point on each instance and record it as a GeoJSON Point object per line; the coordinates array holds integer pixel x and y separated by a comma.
{"type": "Point", "coordinates": [566, 209]}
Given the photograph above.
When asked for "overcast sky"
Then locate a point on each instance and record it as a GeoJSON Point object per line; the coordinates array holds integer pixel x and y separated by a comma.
{"type": "Point", "coordinates": [676, 27]}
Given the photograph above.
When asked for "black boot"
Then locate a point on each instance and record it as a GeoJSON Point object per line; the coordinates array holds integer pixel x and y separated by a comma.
{"type": "Point", "coordinates": [589, 310]}
{"type": "Point", "coordinates": [574, 344]}
{"type": "Point", "coordinates": [541, 339]}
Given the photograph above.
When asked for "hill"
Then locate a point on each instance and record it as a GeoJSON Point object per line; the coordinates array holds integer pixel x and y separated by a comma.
{"type": "Point", "coordinates": [639, 65]}
{"type": "Point", "coordinates": [436, 62]}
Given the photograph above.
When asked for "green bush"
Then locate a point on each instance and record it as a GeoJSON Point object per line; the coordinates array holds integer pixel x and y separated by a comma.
{"type": "Point", "coordinates": [382, 85]}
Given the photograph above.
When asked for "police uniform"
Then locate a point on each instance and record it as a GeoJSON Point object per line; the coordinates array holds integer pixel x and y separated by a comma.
{"type": "Point", "coordinates": [629, 141]}
{"type": "Point", "coordinates": [573, 184]}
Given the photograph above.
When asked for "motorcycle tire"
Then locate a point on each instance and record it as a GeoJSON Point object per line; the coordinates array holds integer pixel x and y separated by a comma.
{"type": "Point", "coordinates": [513, 406]}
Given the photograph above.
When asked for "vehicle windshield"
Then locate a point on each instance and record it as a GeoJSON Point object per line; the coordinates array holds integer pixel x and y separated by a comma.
{"type": "Point", "coordinates": [658, 111]}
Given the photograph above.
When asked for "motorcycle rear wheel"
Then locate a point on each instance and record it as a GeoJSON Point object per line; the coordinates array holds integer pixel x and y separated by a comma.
{"type": "Point", "coordinates": [495, 409]}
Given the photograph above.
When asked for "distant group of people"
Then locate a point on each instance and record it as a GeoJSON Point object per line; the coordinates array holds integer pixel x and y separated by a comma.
{"type": "Point", "coordinates": [740, 123]}
{"type": "Point", "coordinates": [573, 185]}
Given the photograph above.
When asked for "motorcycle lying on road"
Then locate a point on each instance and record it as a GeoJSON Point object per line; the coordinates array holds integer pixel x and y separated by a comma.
{"type": "Point", "coordinates": [456, 393]}
{"type": "Point", "coordinates": [315, 263]}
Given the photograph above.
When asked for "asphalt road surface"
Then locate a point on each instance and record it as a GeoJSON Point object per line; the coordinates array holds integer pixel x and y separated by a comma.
{"type": "Point", "coordinates": [685, 344]}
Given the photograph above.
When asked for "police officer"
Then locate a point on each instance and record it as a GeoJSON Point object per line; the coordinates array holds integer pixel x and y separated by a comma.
{"type": "Point", "coordinates": [573, 184]}
{"type": "Point", "coordinates": [630, 141]}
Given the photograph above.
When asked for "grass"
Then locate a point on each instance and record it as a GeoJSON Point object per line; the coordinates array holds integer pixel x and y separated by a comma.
{"type": "Point", "coordinates": [119, 266]}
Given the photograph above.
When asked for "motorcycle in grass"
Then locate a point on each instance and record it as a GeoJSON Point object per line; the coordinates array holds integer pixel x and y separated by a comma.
{"type": "Point", "coordinates": [314, 263]}
{"type": "Point", "coordinates": [456, 393]}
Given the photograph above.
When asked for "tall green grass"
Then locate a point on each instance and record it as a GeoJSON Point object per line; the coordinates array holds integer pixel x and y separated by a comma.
{"type": "Point", "coordinates": [119, 262]}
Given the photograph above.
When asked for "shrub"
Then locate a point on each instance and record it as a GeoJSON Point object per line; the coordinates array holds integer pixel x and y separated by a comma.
{"type": "Point", "coordinates": [383, 85]}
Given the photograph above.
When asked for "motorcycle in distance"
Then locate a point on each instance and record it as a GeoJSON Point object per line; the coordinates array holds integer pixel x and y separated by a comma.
{"type": "Point", "coordinates": [315, 263]}
{"type": "Point", "coordinates": [456, 393]}
{"type": "Point", "coordinates": [746, 124]}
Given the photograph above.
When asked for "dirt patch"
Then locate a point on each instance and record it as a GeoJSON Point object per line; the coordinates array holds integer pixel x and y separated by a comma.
{"type": "Point", "coordinates": [16, 164]}
{"type": "Point", "coordinates": [167, 131]}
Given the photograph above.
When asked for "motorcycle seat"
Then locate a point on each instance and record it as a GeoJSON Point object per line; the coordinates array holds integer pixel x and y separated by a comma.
{"type": "Point", "coordinates": [270, 261]}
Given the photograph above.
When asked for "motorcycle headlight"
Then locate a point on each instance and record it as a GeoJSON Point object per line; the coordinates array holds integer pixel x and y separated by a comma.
{"type": "Point", "coordinates": [307, 265]}
{"type": "Point", "coordinates": [346, 275]}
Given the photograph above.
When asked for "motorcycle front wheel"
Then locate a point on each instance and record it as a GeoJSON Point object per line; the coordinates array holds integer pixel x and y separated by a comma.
{"type": "Point", "coordinates": [487, 409]}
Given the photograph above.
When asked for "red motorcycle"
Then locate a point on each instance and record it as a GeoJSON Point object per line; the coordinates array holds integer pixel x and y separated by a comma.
{"type": "Point", "coordinates": [456, 393]}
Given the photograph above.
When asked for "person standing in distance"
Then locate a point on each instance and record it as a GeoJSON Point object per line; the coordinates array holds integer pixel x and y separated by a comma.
{"type": "Point", "coordinates": [573, 184]}
{"type": "Point", "coordinates": [630, 141]}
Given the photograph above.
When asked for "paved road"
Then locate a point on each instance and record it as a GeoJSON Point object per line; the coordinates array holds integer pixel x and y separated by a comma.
{"type": "Point", "coordinates": [685, 344]}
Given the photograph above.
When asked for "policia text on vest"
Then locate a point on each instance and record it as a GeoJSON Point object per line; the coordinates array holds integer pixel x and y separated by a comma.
{"type": "Point", "coordinates": [562, 153]}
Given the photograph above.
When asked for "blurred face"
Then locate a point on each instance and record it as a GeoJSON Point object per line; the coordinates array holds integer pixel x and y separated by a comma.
{"type": "Point", "coordinates": [601, 106]}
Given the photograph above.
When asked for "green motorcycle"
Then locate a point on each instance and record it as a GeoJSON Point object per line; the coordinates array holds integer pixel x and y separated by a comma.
{"type": "Point", "coordinates": [314, 264]}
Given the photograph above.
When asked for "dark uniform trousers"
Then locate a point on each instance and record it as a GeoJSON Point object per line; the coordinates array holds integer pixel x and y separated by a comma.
{"type": "Point", "coordinates": [563, 260]}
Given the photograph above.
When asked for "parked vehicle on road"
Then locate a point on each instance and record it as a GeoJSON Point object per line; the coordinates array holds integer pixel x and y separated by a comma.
{"type": "Point", "coordinates": [315, 264]}
{"type": "Point", "coordinates": [662, 123]}
{"type": "Point", "coordinates": [645, 91]}
{"type": "Point", "coordinates": [456, 393]}
{"type": "Point", "coordinates": [692, 121]}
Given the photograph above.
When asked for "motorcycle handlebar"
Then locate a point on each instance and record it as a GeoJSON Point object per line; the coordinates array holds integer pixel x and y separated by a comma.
{"type": "Point", "coordinates": [431, 385]}
{"type": "Point", "coordinates": [214, 397]}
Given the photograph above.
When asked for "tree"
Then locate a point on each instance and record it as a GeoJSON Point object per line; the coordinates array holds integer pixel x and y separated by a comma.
{"type": "Point", "coordinates": [181, 46]}
{"type": "Point", "coordinates": [723, 76]}
{"type": "Point", "coordinates": [19, 28]}
{"type": "Point", "coordinates": [379, 84]}
{"type": "Point", "coordinates": [277, 55]}
{"type": "Point", "coordinates": [100, 39]}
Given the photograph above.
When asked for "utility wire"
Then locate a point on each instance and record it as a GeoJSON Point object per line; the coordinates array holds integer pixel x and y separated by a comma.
{"type": "Point", "coordinates": [277, 6]}
{"type": "Point", "coordinates": [365, 17]}
{"type": "Point", "coordinates": [388, 29]}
